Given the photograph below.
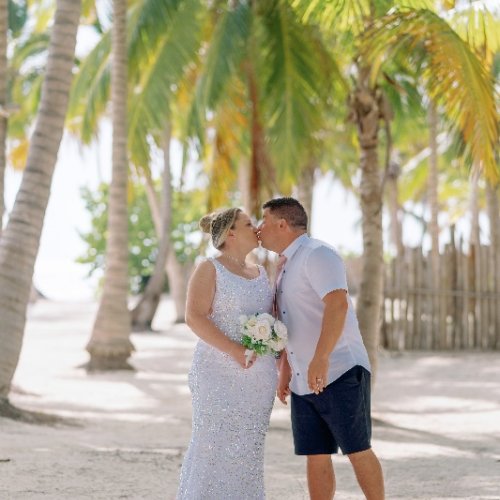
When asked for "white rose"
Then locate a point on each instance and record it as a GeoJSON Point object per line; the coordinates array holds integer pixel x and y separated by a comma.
{"type": "Point", "coordinates": [277, 345]}
{"type": "Point", "coordinates": [266, 317]}
{"type": "Point", "coordinates": [280, 330]}
{"type": "Point", "coordinates": [261, 330]}
{"type": "Point", "coordinates": [252, 321]}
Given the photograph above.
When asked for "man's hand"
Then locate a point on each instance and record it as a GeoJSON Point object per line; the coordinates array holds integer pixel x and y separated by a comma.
{"type": "Point", "coordinates": [284, 377]}
{"type": "Point", "coordinates": [283, 390]}
{"type": "Point", "coordinates": [317, 374]}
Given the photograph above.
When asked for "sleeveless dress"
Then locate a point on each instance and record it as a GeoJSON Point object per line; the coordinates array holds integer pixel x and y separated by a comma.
{"type": "Point", "coordinates": [231, 405]}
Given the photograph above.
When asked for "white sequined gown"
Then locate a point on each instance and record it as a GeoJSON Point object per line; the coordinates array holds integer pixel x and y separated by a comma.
{"type": "Point", "coordinates": [231, 405]}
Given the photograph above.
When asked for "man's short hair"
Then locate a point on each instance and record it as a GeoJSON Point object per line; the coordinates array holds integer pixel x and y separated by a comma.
{"type": "Point", "coordinates": [289, 209]}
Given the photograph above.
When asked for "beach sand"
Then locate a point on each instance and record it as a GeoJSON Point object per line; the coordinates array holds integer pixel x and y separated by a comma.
{"type": "Point", "coordinates": [123, 435]}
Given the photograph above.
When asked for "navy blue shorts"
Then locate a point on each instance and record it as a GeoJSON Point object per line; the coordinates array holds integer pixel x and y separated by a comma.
{"type": "Point", "coordinates": [337, 417]}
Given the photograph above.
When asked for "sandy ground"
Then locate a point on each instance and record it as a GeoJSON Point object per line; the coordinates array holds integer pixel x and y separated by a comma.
{"type": "Point", "coordinates": [437, 421]}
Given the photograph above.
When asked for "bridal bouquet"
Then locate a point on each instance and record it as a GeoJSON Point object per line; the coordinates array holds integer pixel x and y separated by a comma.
{"type": "Point", "coordinates": [262, 334]}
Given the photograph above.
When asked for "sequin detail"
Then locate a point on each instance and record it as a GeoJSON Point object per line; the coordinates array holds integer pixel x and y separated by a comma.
{"type": "Point", "coordinates": [231, 406]}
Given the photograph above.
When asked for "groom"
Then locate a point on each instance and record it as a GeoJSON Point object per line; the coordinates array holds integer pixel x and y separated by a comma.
{"type": "Point", "coordinates": [325, 367]}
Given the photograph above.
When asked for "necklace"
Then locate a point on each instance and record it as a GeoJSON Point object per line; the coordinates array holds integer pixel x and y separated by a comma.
{"type": "Point", "coordinates": [243, 264]}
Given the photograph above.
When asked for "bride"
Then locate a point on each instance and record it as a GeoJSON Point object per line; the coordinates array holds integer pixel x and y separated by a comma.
{"type": "Point", "coordinates": [232, 400]}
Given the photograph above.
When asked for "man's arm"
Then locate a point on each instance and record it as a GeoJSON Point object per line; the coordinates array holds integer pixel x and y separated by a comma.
{"type": "Point", "coordinates": [331, 329]}
{"type": "Point", "coordinates": [284, 377]}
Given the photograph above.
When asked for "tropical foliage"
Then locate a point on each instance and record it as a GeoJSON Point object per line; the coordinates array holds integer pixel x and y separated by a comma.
{"type": "Point", "coordinates": [262, 94]}
{"type": "Point", "coordinates": [143, 241]}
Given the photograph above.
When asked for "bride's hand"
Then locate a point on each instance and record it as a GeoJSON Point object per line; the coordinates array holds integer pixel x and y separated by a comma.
{"type": "Point", "coordinates": [238, 354]}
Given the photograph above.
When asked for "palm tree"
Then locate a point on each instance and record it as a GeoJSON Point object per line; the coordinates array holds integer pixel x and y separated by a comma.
{"type": "Point", "coordinates": [3, 99]}
{"type": "Point", "coordinates": [20, 240]}
{"type": "Point", "coordinates": [275, 74]}
{"type": "Point", "coordinates": [144, 311]}
{"type": "Point", "coordinates": [109, 346]}
{"type": "Point", "coordinates": [12, 19]}
{"type": "Point", "coordinates": [164, 38]}
{"type": "Point", "coordinates": [454, 79]}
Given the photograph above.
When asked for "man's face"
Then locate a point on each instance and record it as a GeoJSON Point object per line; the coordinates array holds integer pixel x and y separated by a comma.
{"type": "Point", "coordinates": [268, 231]}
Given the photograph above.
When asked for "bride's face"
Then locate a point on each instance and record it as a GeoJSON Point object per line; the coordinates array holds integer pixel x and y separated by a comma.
{"type": "Point", "coordinates": [245, 231]}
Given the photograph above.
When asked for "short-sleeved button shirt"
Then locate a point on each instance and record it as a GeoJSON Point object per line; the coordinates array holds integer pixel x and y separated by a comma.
{"type": "Point", "coordinates": [312, 270]}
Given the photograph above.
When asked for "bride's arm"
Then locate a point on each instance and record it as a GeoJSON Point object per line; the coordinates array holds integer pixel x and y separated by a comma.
{"type": "Point", "coordinates": [200, 296]}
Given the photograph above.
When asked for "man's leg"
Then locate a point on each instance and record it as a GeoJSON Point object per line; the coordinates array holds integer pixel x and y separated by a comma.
{"type": "Point", "coordinates": [368, 473]}
{"type": "Point", "coordinates": [320, 477]}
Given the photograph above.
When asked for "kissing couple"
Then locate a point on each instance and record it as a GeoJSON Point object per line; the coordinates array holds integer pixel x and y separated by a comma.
{"type": "Point", "coordinates": [323, 370]}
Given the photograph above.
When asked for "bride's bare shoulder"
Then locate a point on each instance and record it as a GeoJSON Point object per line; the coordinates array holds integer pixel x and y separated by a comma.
{"type": "Point", "coordinates": [205, 268]}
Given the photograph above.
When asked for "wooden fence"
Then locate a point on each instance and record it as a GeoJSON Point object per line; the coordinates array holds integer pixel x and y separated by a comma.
{"type": "Point", "coordinates": [463, 312]}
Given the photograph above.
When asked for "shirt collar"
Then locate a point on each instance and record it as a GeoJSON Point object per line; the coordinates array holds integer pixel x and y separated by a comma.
{"type": "Point", "coordinates": [294, 245]}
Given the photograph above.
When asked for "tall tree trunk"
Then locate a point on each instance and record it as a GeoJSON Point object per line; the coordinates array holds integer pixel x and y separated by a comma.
{"type": "Point", "coordinates": [261, 171]}
{"type": "Point", "coordinates": [305, 186]}
{"type": "Point", "coordinates": [257, 145]}
{"type": "Point", "coordinates": [366, 114]}
{"type": "Point", "coordinates": [21, 239]}
{"type": "Point", "coordinates": [392, 190]}
{"type": "Point", "coordinates": [178, 277]}
{"type": "Point", "coordinates": [178, 274]}
{"type": "Point", "coordinates": [145, 310]}
{"type": "Point", "coordinates": [494, 218]}
{"type": "Point", "coordinates": [244, 186]}
{"type": "Point", "coordinates": [432, 189]}
{"type": "Point", "coordinates": [109, 346]}
{"type": "Point", "coordinates": [3, 101]}
{"type": "Point", "coordinates": [436, 336]}
{"type": "Point", "coordinates": [475, 236]}
{"type": "Point", "coordinates": [154, 204]}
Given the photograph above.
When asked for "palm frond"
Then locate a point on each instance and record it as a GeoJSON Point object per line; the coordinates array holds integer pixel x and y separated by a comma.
{"type": "Point", "coordinates": [156, 77]}
{"type": "Point", "coordinates": [478, 27]}
{"type": "Point", "coordinates": [453, 76]}
{"type": "Point", "coordinates": [90, 91]}
{"type": "Point", "coordinates": [43, 14]}
{"type": "Point", "coordinates": [297, 86]}
{"type": "Point", "coordinates": [151, 18]}
{"type": "Point", "coordinates": [34, 45]}
{"type": "Point", "coordinates": [18, 15]}
{"type": "Point", "coordinates": [339, 15]}
{"type": "Point", "coordinates": [27, 92]}
{"type": "Point", "coordinates": [221, 170]}
{"type": "Point", "coordinates": [227, 49]}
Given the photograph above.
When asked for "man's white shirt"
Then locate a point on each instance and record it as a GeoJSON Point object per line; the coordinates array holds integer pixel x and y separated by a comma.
{"type": "Point", "coordinates": [312, 270]}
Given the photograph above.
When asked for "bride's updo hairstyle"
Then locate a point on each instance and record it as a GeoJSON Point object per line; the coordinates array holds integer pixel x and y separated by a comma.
{"type": "Point", "coordinates": [218, 224]}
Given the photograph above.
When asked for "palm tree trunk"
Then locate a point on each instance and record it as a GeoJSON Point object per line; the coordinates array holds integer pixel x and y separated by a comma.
{"type": "Point", "coordinates": [392, 189]}
{"type": "Point", "coordinates": [153, 203]}
{"type": "Point", "coordinates": [244, 186]}
{"type": "Point", "coordinates": [145, 310]}
{"type": "Point", "coordinates": [178, 274]}
{"type": "Point", "coordinates": [494, 219]}
{"type": "Point", "coordinates": [305, 186]}
{"type": "Point", "coordinates": [3, 101]}
{"type": "Point", "coordinates": [432, 188]}
{"type": "Point", "coordinates": [178, 277]}
{"type": "Point", "coordinates": [436, 334]}
{"type": "Point", "coordinates": [366, 114]}
{"type": "Point", "coordinates": [21, 238]}
{"type": "Point", "coordinates": [261, 171]}
{"type": "Point", "coordinates": [109, 346]}
{"type": "Point", "coordinates": [475, 236]}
